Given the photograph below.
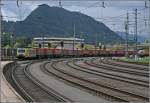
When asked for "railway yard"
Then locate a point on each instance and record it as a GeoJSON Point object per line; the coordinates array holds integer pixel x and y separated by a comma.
{"type": "Point", "coordinates": [88, 79]}
{"type": "Point", "coordinates": [75, 51]}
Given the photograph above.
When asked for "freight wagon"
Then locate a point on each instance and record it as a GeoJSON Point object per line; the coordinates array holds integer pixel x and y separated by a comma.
{"type": "Point", "coordinates": [53, 52]}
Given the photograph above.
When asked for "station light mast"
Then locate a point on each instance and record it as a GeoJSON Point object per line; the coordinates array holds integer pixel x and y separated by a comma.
{"type": "Point", "coordinates": [135, 35]}
{"type": "Point", "coordinates": [127, 35]}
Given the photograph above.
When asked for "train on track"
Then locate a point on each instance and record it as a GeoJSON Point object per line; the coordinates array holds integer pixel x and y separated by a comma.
{"type": "Point", "coordinates": [53, 52]}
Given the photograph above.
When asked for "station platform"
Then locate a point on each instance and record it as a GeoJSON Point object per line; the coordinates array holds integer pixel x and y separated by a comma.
{"type": "Point", "coordinates": [8, 94]}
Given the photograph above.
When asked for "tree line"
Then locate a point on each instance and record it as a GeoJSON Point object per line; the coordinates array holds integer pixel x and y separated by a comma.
{"type": "Point", "coordinates": [10, 41]}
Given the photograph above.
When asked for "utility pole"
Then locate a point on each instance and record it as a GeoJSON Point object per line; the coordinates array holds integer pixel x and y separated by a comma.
{"type": "Point", "coordinates": [74, 35]}
{"type": "Point", "coordinates": [135, 35]}
{"type": "Point", "coordinates": [95, 41]}
{"type": "Point", "coordinates": [0, 28]}
{"type": "Point", "coordinates": [13, 42]}
{"type": "Point", "coordinates": [148, 27]}
{"type": "Point", "coordinates": [127, 34]}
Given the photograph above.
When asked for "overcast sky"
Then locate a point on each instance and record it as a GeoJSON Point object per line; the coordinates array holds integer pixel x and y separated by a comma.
{"type": "Point", "coordinates": [113, 15]}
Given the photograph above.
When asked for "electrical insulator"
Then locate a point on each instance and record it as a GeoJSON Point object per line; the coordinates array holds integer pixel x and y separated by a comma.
{"type": "Point", "coordinates": [103, 4]}
{"type": "Point", "coordinates": [146, 5]}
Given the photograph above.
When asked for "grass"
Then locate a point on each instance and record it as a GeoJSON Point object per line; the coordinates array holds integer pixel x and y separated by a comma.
{"type": "Point", "coordinates": [139, 60]}
{"type": "Point", "coordinates": [86, 46]}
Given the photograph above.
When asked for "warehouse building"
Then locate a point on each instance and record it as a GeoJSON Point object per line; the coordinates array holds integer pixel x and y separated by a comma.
{"type": "Point", "coordinates": [56, 42]}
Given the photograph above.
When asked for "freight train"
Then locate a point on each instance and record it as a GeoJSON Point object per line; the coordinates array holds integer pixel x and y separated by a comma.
{"type": "Point", "coordinates": [53, 52]}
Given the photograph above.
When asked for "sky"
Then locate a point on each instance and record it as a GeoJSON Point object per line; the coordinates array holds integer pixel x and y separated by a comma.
{"type": "Point", "coordinates": [112, 15]}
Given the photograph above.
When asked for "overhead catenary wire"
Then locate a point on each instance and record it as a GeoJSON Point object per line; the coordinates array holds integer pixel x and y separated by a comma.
{"type": "Point", "coordinates": [114, 19]}
{"type": "Point", "coordinates": [92, 5]}
{"type": "Point", "coordinates": [119, 16]}
{"type": "Point", "coordinates": [0, 28]}
{"type": "Point", "coordinates": [96, 3]}
{"type": "Point", "coordinates": [118, 19]}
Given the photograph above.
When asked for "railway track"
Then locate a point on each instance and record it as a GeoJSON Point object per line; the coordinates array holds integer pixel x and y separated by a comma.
{"type": "Point", "coordinates": [112, 80]}
{"type": "Point", "coordinates": [33, 90]}
{"type": "Point", "coordinates": [114, 93]}
{"type": "Point", "coordinates": [30, 88]}
{"type": "Point", "coordinates": [72, 64]}
{"type": "Point", "coordinates": [130, 68]}
{"type": "Point", "coordinates": [126, 65]}
{"type": "Point", "coordinates": [113, 76]}
{"type": "Point", "coordinates": [10, 78]}
{"type": "Point", "coordinates": [117, 69]}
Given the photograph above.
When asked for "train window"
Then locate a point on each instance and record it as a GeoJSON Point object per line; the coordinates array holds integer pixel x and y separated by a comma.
{"type": "Point", "coordinates": [21, 50]}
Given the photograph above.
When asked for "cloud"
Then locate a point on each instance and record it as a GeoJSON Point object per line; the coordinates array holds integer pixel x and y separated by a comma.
{"type": "Point", "coordinates": [90, 8]}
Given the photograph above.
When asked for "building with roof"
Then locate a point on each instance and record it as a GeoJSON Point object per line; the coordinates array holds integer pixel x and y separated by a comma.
{"type": "Point", "coordinates": [56, 42]}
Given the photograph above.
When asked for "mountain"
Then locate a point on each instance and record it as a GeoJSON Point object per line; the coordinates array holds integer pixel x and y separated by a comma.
{"type": "Point", "coordinates": [59, 22]}
{"type": "Point", "coordinates": [140, 38]}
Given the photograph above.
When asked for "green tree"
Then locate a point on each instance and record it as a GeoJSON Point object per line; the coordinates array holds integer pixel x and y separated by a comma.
{"type": "Point", "coordinates": [17, 45]}
{"type": "Point", "coordinates": [7, 46]}
{"type": "Point", "coordinates": [22, 42]}
{"type": "Point", "coordinates": [6, 39]}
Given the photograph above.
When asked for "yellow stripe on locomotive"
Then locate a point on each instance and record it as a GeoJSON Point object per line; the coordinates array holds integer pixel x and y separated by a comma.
{"type": "Point", "coordinates": [21, 52]}
{"type": "Point", "coordinates": [26, 53]}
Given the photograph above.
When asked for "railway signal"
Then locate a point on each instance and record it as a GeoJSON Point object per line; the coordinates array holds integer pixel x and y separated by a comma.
{"type": "Point", "coordinates": [49, 45]}
{"type": "Point", "coordinates": [62, 44]}
{"type": "Point", "coordinates": [100, 46]}
{"type": "Point", "coordinates": [104, 47]}
{"type": "Point", "coordinates": [40, 45]}
{"type": "Point", "coordinates": [82, 45]}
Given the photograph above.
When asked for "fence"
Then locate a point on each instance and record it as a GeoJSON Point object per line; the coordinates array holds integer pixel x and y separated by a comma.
{"type": "Point", "coordinates": [8, 53]}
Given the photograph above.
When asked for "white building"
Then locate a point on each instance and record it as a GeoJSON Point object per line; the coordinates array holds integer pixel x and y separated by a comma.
{"type": "Point", "coordinates": [55, 42]}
